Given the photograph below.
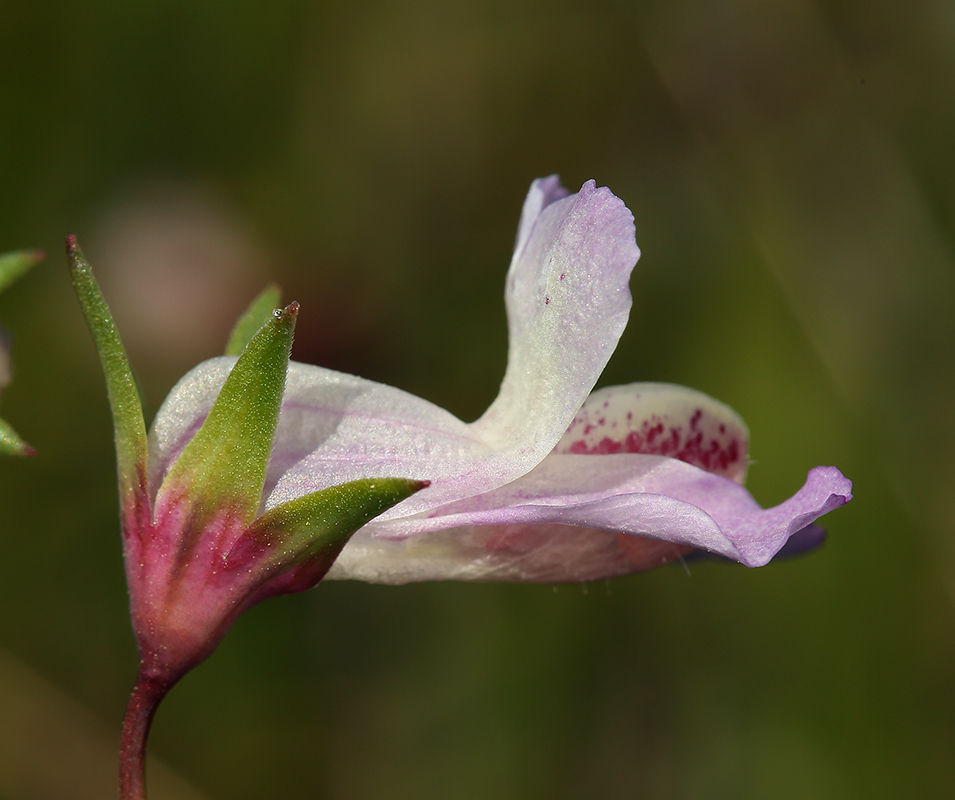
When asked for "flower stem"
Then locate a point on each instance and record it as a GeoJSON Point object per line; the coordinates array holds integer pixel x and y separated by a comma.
{"type": "Point", "coordinates": [148, 692]}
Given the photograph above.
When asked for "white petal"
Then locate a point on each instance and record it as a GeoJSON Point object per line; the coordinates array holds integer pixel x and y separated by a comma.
{"type": "Point", "coordinates": [336, 428]}
{"type": "Point", "coordinates": [542, 193]}
{"type": "Point", "coordinates": [182, 414]}
{"type": "Point", "coordinates": [568, 300]}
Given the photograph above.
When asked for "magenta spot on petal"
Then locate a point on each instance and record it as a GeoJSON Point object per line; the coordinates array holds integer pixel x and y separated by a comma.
{"type": "Point", "coordinates": [733, 451]}
{"type": "Point", "coordinates": [671, 444]}
{"type": "Point", "coordinates": [606, 446]}
{"type": "Point", "coordinates": [699, 440]}
{"type": "Point", "coordinates": [546, 301]}
{"type": "Point", "coordinates": [652, 433]}
{"type": "Point", "coordinates": [634, 443]}
{"type": "Point", "coordinates": [562, 276]}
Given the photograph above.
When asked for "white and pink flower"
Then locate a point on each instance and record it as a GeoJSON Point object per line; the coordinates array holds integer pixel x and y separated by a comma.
{"type": "Point", "coordinates": [553, 483]}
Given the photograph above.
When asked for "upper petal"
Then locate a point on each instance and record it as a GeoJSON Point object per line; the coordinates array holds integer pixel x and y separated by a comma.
{"type": "Point", "coordinates": [568, 300]}
{"type": "Point", "coordinates": [336, 427]}
{"type": "Point", "coordinates": [542, 193]}
{"type": "Point", "coordinates": [332, 428]}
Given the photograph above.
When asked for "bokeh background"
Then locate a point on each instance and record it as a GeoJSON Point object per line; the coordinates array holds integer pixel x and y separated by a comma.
{"type": "Point", "coordinates": [790, 169]}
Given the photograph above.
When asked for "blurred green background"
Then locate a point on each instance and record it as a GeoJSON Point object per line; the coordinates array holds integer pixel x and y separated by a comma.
{"type": "Point", "coordinates": [790, 169]}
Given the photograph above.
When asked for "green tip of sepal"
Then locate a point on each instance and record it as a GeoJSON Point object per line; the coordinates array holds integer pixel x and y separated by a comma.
{"type": "Point", "coordinates": [128, 424]}
{"type": "Point", "coordinates": [13, 265]}
{"type": "Point", "coordinates": [225, 462]}
{"type": "Point", "coordinates": [11, 444]}
{"type": "Point", "coordinates": [316, 526]}
{"type": "Point", "coordinates": [253, 318]}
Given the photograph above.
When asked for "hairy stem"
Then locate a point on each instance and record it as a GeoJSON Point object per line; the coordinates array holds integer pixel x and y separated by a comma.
{"type": "Point", "coordinates": [148, 692]}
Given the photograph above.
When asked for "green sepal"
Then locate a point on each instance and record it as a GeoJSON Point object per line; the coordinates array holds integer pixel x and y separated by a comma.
{"type": "Point", "coordinates": [128, 425]}
{"type": "Point", "coordinates": [253, 318]}
{"type": "Point", "coordinates": [225, 462]}
{"type": "Point", "coordinates": [13, 265]}
{"type": "Point", "coordinates": [319, 524]}
{"type": "Point", "coordinates": [11, 444]}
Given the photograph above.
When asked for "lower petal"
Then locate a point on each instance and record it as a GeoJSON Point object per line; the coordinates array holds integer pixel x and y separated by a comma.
{"type": "Point", "coordinates": [636, 495]}
{"type": "Point", "coordinates": [537, 553]}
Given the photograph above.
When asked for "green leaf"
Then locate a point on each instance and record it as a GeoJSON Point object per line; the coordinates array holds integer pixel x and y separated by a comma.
{"type": "Point", "coordinates": [225, 462]}
{"type": "Point", "coordinates": [11, 444]}
{"type": "Point", "coordinates": [128, 424]}
{"type": "Point", "coordinates": [319, 524]}
{"type": "Point", "coordinates": [255, 316]}
{"type": "Point", "coordinates": [13, 265]}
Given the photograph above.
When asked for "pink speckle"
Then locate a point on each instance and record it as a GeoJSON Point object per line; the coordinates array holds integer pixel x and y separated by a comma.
{"type": "Point", "coordinates": [607, 445]}
{"type": "Point", "coordinates": [653, 432]}
{"type": "Point", "coordinates": [634, 443]}
{"type": "Point", "coordinates": [657, 438]}
{"type": "Point", "coordinates": [732, 451]}
{"type": "Point", "coordinates": [546, 301]}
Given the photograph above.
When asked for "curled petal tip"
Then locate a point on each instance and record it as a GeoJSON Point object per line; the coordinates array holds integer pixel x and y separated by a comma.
{"type": "Point", "coordinates": [840, 487]}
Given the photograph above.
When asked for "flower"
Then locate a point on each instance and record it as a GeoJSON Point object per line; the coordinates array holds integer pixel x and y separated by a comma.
{"type": "Point", "coordinates": [261, 476]}
{"type": "Point", "coordinates": [12, 266]}
{"type": "Point", "coordinates": [553, 483]}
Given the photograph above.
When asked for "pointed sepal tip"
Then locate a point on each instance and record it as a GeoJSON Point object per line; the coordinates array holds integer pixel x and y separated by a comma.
{"type": "Point", "coordinates": [128, 423]}
{"type": "Point", "coordinates": [225, 463]}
